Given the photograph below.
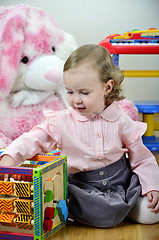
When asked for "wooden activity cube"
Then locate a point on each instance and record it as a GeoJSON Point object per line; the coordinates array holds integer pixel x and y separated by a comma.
{"type": "Point", "coordinates": [33, 201]}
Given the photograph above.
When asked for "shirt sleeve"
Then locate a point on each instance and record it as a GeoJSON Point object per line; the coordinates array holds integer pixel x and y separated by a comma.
{"type": "Point", "coordinates": [42, 138]}
{"type": "Point", "coordinates": [142, 161]}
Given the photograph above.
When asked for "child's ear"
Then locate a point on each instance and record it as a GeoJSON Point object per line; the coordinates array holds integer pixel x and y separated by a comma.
{"type": "Point", "coordinates": [109, 86]}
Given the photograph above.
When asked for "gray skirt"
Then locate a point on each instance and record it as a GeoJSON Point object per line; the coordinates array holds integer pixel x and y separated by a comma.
{"type": "Point", "coordinates": [103, 197]}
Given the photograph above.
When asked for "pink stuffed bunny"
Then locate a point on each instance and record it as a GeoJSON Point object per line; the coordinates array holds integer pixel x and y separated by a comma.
{"type": "Point", "coordinates": [33, 49]}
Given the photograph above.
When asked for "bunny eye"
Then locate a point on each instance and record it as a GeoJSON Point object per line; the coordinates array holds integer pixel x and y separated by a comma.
{"type": "Point", "coordinates": [53, 49]}
{"type": "Point", "coordinates": [25, 60]}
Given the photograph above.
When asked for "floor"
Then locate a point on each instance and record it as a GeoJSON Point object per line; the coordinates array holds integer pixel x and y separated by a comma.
{"type": "Point", "coordinates": [124, 231]}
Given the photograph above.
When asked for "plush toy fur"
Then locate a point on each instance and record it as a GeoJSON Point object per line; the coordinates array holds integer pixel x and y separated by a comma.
{"type": "Point", "coordinates": [129, 108]}
{"type": "Point", "coordinates": [33, 48]}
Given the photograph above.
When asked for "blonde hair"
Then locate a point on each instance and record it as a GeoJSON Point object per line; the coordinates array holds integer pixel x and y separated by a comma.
{"type": "Point", "coordinates": [100, 59]}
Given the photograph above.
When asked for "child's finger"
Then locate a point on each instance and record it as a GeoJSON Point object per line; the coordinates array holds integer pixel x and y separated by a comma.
{"type": "Point", "coordinates": [6, 177]}
{"type": "Point", "coordinates": [149, 197]}
{"type": "Point", "coordinates": [156, 208]}
{"type": "Point", "coordinates": [153, 203]}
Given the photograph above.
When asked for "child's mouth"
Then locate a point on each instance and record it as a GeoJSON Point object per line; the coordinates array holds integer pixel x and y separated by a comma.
{"type": "Point", "coordinates": [80, 109]}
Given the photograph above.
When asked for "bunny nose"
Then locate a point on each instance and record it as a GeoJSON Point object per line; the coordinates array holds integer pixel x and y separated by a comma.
{"type": "Point", "coordinates": [53, 75]}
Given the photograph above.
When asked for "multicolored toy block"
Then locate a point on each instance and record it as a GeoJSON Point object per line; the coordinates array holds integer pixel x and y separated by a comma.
{"type": "Point", "coordinates": [62, 210]}
{"type": "Point", "coordinates": [33, 201]}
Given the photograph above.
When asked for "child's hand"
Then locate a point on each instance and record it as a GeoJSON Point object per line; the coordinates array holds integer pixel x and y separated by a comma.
{"type": "Point", "coordinates": [6, 161]}
{"type": "Point", "coordinates": [153, 198]}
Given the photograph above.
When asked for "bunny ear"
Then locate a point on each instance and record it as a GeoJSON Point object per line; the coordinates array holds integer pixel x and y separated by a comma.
{"type": "Point", "coordinates": [12, 22]}
{"type": "Point", "coordinates": [66, 47]}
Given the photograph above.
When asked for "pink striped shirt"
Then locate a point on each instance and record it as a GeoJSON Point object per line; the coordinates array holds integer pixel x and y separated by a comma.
{"type": "Point", "coordinates": [91, 142]}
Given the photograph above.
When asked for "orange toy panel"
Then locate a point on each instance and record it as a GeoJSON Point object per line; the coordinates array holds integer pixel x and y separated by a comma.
{"type": "Point", "coordinates": [23, 221]}
{"type": "Point", "coordinates": [6, 205]}
{"type": "Point", "coordinates": [6, 188]}
{"type": "Point", "coordinates": [7, 218]}
{"type": "Point", "coordinates": [23, 206]}
{"type": "Point", "coordinates": [43, 158]}
{"type": "Point", "coordinates": [22, 189]}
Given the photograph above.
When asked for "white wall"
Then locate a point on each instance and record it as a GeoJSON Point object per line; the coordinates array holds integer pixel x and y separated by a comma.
{"type": "Point", "coordinates": [90, 21]}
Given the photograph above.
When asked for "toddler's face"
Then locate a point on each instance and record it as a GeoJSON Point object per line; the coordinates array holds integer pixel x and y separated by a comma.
{"type": "Point", "coordinates": [86, 92]}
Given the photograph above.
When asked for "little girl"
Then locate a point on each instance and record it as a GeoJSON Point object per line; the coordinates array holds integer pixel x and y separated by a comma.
{"type": "Point", "coordinates": [103, 185]}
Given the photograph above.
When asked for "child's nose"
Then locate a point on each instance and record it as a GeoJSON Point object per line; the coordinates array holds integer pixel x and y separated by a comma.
{"type": "Point", "coordinates": [77, 100]}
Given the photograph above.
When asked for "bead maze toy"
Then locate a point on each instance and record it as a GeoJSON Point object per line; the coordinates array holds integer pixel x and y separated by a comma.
{"type": "Point", "coordinates": [139, 42]}
{"type": "Point", "coordinates": [33, 200]}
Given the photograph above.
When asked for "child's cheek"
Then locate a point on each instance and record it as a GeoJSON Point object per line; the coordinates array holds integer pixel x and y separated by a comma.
{"type": "Point", "coordinates": [70, 100]}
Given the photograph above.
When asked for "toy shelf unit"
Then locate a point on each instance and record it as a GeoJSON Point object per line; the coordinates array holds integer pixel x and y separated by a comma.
{"type": "Point", "coordinates": [33, 200]}
{"type": "Point", "coordinates": [138, 42]}
{"type": "Point", "coordinates": [148, 110]}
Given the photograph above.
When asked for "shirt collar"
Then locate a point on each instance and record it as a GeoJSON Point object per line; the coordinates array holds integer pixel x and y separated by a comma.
{"type": "Point", "coordinates": [111, 113]}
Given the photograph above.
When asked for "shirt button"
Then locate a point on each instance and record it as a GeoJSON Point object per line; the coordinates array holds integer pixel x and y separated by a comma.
{"type": "Point", "coordinates": [98, 135]}
{"type": "Point", "coordinates": [108, 190]}
{"type": "Point", "coordinates": [104, 183]}
{"type": "Point", "coordinates": [99, 157]}
{"type": "Point", "coordinates": [101, 173]}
